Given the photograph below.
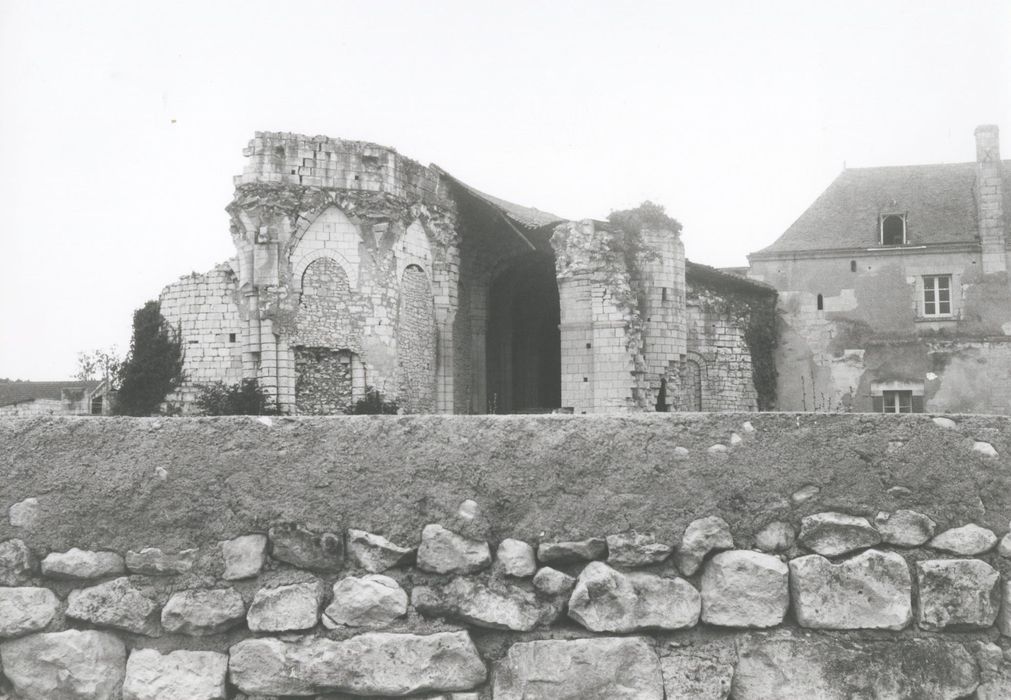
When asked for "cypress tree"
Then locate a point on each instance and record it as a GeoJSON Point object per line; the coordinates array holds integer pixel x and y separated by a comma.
{"type": "Point", "coordinates": [154, 367]}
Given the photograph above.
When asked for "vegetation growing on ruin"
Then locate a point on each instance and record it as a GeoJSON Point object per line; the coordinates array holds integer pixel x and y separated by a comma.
{"type": "Point", "coordinates": [645, 216]}
{"type": "Point", "coordinates": [762, 337]}
{"type": "Point", "coordinates": [759, 317]}
{"type": "Point", "coordinates": [373, 403]}
{"type": "Point", "coordinates": [154, 367]}
{"type": "Point", "coordinates": [246, 398]}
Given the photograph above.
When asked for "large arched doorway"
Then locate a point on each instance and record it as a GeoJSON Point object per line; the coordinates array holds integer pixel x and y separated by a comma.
{"type": "Point", "coordinates": [523, 340]}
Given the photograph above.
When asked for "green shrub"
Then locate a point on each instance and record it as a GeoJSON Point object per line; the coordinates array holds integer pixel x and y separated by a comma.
{"type": "Point", "coordinates": [246, 398]}
{"type": "Point", "coordinates": [372, 404]}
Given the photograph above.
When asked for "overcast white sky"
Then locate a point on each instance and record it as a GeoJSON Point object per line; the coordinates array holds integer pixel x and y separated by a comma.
{"type": "Point", "coordinates": [122, 123]}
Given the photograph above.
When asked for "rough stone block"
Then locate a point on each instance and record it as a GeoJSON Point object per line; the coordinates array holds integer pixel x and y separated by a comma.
{"type": "Point", "coordinates": [117, 603]}
{"type": "Point", "coordinates": [16, 563]}
{"type": "Point", "coordinates": [904, 528]}
{"type": "Point", "coordinates": [445, 552]}
{"type": "Point", "coordinates": [24, 610]}
{"type": "Point", "coordinates": [744, 589]}
{"type": "Point", "coordinates": [375, 553]}
{"type": "Point", "coordinates": [244, 556]}
{"type": "Point", "coordinates": [632, 549]}
{"type": "Point", "coordinates": [698, 672]}
{"type": "Point", "coordinates": [70, 665]}
{"type": "Point", "coordinates": [373, 663]}
{"type": "Point", "coordinates": [552, 582]}
{"type": "Point", "coordinates": [957, 593]}
{"type": "Point", "coordinates": [777, 536]}
{"type": "Point", "coordinates": [24, 513]}
{"type": "Point", "coordinates": [616, 668]}
{"type": "Point", "coordinates": [178, 675]}
{"type": "Point", "coordinates": [606, 600]}
{"type": "Point", "coordinates": [305, 549]}
{"type": "Point", "coordinates": [79, 563]}
{"type": "Point", "coordinates": [873, 590]}
{"type": "Point", "coordinates": [201, 612]}
{"type": "Point", "coordinates": [967, 540]}
{"type": "Point", "coordinates": [495, 605]}
{"type": "Point", "coordinates": [784, 665]}
{"type": "Point", "coordinates": [517, 558]}
{"type": "Point", "coordinates": [154, 562]}
{"type": "Point", "coordinates": [373, 600]}
{"type": "Point", "coordinates": [571, 552]}
{"type": "Point", "coordinates": [702, 536]}
{"type": "Point", "coordinates": [833, 534]}
{"type": "Point", "coordinates": [286, 608]}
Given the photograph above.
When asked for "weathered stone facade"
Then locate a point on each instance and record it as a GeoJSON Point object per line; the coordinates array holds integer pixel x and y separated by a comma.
{"type": "Point", "coordinates": [357, 268]}
{"type": "Point", "coordinates": [913, 318]}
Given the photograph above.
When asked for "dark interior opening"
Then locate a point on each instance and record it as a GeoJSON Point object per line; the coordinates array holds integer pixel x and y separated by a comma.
{"type": "Point", "coordinates": [524, 343]}
{"type": "Point", "coordinates": [893, 230]}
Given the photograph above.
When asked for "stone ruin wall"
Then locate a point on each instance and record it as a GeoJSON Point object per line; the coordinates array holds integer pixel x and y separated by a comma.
{"type": "Point", "coordinates": [206, 310]}
{"type": "Point", "coordinates": [832, 557]}
{"type": "Point", "coordinates": [325, 232]}
{"type": "Point", "coordinates": [722, 373]}
{"type": "Point", "coordinates": [373, 215]}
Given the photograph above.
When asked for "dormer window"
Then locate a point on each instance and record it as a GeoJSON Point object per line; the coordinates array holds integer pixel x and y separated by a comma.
{"type": "Point", "coordinates": [893, 229]}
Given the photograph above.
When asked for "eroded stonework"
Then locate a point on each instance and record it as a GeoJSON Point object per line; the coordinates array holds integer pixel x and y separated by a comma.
{"type": "Point", "coordinates": [357, 269]}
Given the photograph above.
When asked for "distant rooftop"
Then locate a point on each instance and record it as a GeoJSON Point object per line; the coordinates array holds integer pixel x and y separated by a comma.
{"type": "Point", "coordinates": [13, 392]}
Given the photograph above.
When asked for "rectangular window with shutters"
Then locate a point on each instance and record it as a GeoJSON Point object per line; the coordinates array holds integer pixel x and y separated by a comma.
{"type": "Point", "coordinates": [937, 295]}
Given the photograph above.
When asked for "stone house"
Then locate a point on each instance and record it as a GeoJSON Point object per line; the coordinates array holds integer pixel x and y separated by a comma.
{"type": "Point", "coordinates": [356, 267]}
{"type": "Point", "coordinates": [893, 290]}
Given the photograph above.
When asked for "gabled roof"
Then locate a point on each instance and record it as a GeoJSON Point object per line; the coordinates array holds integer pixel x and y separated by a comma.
{"type": "Point", "coordinates": [528, 217]}
{"type": "Point", "coordinates": [939, 203]}
{"type": "Point", "coordinates": [22, 392]}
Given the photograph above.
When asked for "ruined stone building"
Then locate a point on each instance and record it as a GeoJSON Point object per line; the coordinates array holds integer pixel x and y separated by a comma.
{"type": "Point", "coordinates": [356, 267]}
{"type": "Point", "coordinates": [893, 290]}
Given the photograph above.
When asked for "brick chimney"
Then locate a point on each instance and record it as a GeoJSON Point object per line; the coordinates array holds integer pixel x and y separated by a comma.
{"type": "Point", "coordinates": [989, 199]}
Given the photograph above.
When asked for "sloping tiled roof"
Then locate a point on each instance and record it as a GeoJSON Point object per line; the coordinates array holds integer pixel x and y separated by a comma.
{"type": "Point", "coordinates": [20, 392]}
{"type": "Point", "coordinates": [704, 274]}
{"type": "Point", "coordinates": [938, 201]}
{"type": "Point", "coordinates": [528, 217]}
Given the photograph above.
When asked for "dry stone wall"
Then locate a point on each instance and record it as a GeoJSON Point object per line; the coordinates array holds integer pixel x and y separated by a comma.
{"type": "Point", "coordinates": [812, 582]}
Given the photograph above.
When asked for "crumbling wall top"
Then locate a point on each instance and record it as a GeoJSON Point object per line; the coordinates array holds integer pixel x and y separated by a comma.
{"type": "Point", "coordinates": [284, 158]}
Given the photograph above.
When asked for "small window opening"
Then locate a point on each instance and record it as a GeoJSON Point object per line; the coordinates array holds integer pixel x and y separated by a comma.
{"type": "Point", "coordinates": [292, 172]}
{"type": "Point", "coordinates": [893, 230]}
{"type": "Point", "coordinates": [231, 337]}
{"type": "Point", "coordinates": [663, 293]}
{"type": "Point", "coordinates": [853, 265]}
{"type": "Point", "coordinates": [821, 303]}
{"type": "Point", "coordinates": [937, 295]}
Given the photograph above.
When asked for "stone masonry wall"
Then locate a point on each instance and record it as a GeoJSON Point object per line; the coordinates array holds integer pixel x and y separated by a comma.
{"type": "Point", "coordinates": [205, 309]}
{"type": "Point", "coordinates": [739, 556]}
{"type": "Point", "coordinates": [365, 214]}
{"type": "Point", "coordinates": [716, 343]}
